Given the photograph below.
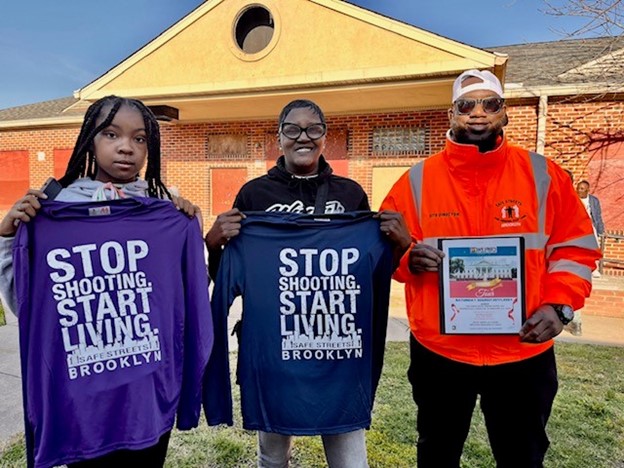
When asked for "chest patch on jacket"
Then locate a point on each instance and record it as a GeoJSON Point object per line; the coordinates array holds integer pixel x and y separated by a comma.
{"type": "Point", "coordinates": [511, 214]}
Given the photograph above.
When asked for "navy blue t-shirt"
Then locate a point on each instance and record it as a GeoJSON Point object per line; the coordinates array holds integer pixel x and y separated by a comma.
{"type": "Point", "coordinates": [315, 295]}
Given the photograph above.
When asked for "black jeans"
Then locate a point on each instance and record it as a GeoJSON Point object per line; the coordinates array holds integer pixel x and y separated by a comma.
{"type": "Point", "coordinates": [150, 457]}
{"type": "Point", "coordinates": [516, 400]}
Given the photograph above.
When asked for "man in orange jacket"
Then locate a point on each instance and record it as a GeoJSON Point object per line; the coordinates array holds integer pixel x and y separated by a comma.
{"type": "Point", "coordinates": [481, 186]}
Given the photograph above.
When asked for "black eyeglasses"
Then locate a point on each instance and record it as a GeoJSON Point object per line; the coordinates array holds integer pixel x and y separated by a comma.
{"type": "Point", "coordinates": [294, 131]}
{"type": "Point", "coordinates": [491, 105]}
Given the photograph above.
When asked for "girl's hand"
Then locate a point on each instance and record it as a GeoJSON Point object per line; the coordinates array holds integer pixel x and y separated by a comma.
{"type": "Point", "coordinates": [185, 206]}
{"type": "Point", "coordinates": [23, 210]}
{"type": "Point", "coordinates": [188, 208]}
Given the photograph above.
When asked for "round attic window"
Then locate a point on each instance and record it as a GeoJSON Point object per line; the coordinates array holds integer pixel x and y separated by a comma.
{"type": "Point", "coordinates": [254, 29]}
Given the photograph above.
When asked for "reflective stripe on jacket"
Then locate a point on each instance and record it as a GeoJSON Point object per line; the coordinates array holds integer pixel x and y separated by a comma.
{"type": "Point", "coordinates": [460, 192]}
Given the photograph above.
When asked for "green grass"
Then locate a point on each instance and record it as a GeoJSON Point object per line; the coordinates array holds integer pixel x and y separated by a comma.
{"type": "Point", "coordinates": [2, 319]}
{"type": "Point", "coordinates": [586, 428]}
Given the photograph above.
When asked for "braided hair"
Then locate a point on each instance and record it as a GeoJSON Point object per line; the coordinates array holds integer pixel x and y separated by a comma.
{"type": "Point", "coordinates": [82, 162]}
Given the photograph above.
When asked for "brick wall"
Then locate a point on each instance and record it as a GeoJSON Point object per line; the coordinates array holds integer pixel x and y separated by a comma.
{"type": "Point", "coordinates": [613, 262]}
{"type": "Point", "coordinates": [40, 146]}
{"type": "Point", "coordinates": [607, 297]}
{"type": "Point", "coordinates": [575, 130]}
{"type": "Point", "coordinates": [39, 141]}
{"type": "Point", "coordinates": [187, 144]}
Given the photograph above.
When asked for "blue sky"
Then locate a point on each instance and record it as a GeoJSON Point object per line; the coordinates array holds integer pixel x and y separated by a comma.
{"type": "Point", "coordinates": [48, 49]}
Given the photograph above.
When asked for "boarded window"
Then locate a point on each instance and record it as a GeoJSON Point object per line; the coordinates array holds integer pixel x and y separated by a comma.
{"type": "Point", "coordinates": [14, 177]}
{"type": "Point", "coordinates": [61, 158]}
{"type": "Point", "coordinates": [232, 146]}
{"type": "Point", "coordinates": [225, 184]}
{"type": "Point", "coordinates": [400, 141]}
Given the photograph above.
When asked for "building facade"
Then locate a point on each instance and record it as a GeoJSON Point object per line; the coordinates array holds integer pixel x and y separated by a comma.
{"type": "Point", "coordinates": [219, 77]}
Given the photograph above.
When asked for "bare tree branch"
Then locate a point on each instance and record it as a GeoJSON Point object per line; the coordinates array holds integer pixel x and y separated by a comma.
{"type": "Point", "coordinates": [603, 17]}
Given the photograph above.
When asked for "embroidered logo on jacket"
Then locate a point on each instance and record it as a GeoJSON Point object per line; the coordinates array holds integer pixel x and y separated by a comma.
{"type": "Point", "coordinates": [510, 213]}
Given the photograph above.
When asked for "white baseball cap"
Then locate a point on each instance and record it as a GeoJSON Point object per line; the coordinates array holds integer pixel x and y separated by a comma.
{"type": "Point", "coordinates": [489, 82]}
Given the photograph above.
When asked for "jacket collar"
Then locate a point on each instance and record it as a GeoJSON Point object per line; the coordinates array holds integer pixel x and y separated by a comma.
{"type": "Point", "coordinates": [463, 157]}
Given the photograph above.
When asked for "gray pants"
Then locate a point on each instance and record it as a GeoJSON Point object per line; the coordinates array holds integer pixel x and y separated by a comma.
{"type": "Point", "coordinates": [341, 450]}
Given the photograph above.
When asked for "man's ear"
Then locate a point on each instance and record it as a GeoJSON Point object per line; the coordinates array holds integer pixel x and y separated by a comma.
{"type": "Point", "coordinates": [450, 114]}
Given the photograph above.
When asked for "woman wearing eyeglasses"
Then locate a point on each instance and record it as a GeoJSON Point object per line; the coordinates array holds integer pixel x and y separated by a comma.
{"type": "Point", "coordinates": [302, 182]}
{"type": "Point", "coordinates": [292, 185]}
{"type": "Point", "coordinates": [299, 181]}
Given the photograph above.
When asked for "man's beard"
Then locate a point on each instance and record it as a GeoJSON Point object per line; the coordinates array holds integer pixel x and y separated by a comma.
{"type": "Point", "coordinates": [486, 141]}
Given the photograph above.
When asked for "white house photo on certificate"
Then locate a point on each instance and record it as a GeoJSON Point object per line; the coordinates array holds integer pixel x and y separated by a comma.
{"type": "Point", "coordinates": [482, 285]}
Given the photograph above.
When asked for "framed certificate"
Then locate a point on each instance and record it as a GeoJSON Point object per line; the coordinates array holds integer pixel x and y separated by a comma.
{"type": "Point", "coordinates": [482, 286]}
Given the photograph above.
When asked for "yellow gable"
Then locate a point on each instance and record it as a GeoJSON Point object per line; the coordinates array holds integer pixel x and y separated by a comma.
{"type": "Point", "coordinates": [345, 57]}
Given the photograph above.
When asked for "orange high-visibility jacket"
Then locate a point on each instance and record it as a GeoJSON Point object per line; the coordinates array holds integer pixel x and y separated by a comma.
{"type": "Point", "coordinates": [460, 192]}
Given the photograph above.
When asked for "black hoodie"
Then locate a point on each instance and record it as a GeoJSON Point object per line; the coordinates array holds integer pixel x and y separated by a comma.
{"type": "Point", "coordinates": [280, 190]}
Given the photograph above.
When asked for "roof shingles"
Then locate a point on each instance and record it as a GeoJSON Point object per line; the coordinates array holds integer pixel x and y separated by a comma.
{"type": "Point", "coordinates": [550, 63]}
{"type": "Point", "coordinates": [39, 110]}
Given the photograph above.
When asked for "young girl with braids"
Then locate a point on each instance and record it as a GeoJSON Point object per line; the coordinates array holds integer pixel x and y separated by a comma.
{"type": "Point", "coordinates": [118, 137]}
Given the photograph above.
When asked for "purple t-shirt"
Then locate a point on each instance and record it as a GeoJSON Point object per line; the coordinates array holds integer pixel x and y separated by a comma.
{"type": "Point", "coordinates": [115, 326]}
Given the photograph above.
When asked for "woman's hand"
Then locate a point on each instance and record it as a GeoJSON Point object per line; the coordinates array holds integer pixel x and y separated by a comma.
{"type": "Point", "coordinates": [226, 226]}
{"type": "Point", "coordinates": [393, 225]}
{"type": "Point", "coordinates": [23, 210]}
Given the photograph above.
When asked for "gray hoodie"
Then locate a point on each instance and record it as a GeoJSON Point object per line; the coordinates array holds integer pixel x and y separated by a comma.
{"type": "Point", "coordinates": [81, 190]}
